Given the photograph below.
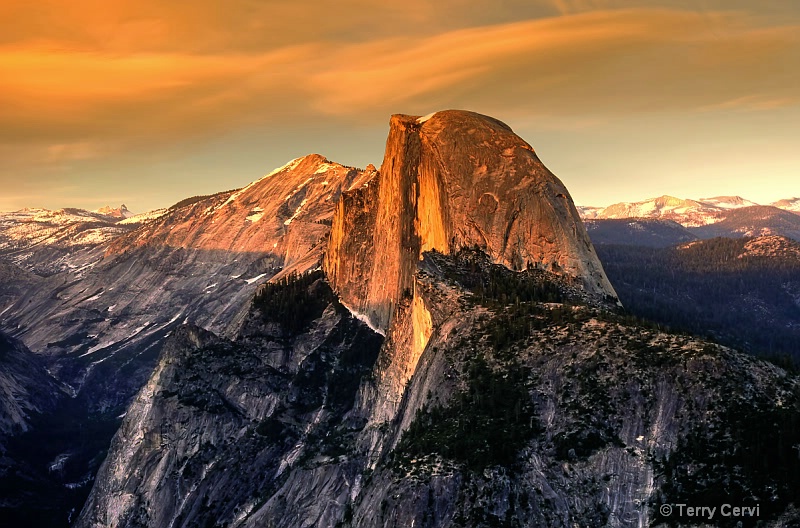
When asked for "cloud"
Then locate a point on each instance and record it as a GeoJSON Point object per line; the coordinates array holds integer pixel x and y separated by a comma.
{"type": "Point", "coordinates": [140, 73]}
{"type": "Point", "coordinates": [80, 150]}
{"type": "Point", "coordinates": [596, 63]}
{"type": "Point", "coordinates": [73, 95]}
{"type": "Point", "coordinates": [750, 103]}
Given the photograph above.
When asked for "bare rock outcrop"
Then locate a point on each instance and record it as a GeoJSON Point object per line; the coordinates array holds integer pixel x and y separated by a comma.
{"type": "Point", "coordinates": [452, 180]}
{"type": "Point", "coordinates": [26, 388]}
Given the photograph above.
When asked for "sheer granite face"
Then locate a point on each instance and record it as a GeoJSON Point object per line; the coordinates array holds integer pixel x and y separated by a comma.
{"type": "Point", "coordinates": [452, 180]}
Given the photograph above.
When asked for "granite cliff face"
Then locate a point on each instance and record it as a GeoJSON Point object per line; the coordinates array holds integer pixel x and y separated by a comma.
{"type": "Point", "coordinates": [453, 180]}
{"type": "Point", "coordinates": [26, 388]}
{"type": "Point", "coordinates": [448, 181]}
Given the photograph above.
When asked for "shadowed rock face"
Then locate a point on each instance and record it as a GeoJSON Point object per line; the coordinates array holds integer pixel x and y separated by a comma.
{"type": "Point", "coordinates": [283, 429]}
{"type": "Point", "coordinates": [451, 180]}
{"type": "Point", "coordinates": [104, 309]}
{"type": "Point", "coordinates": [25, 388]}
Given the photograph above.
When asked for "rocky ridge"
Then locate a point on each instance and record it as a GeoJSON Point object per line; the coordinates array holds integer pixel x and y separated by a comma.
{"type": "Point", "coordinates": [753, 222]}
{"type": "Point", "coordinates": [26, 388]}
{"type": "Point", "coordinates": [100, 320]}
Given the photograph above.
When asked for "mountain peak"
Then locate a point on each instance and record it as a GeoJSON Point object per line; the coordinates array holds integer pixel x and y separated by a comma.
{"type": "Point", "coordinates": [667, 199]}
{"type": "Point", "coordinates": [450, 180]}
{"type": "Point", "coordinates": [120, 212]}
{"type": "Point", "coordinates": [789, 204]}
{"type": "Point", "coordinates": [444, 118]}
{"type": "Point", "coordinates": [728, 202]}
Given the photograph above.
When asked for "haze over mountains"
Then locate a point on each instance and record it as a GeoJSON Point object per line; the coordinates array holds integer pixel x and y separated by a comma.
{"type": "Point", "coordinates": [432, 343]}
{"type": "Point", "coordinates": [666, 220]}
{"type": "Point", "coordinates": [687, 212]}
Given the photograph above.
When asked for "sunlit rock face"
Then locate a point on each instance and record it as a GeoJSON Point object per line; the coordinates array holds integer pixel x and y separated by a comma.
{"type": "Point", "coordinates": [287, 213]}
{"type": "Point", "coordinates": [448, 181]}
{"type": "Point", "coordinates": [451, 180]}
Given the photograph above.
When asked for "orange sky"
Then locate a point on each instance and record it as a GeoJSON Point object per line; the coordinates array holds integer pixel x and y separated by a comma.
{"type": "Point", "coordinates": [148, 102]}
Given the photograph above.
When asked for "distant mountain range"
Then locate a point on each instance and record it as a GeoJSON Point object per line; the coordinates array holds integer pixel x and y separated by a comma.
{"type": "Point", "coordinates": [666, 220]}
{"type": "Point", "coordinates": [723, 266]}
{"type": "Point", "coordinates": [687, 212]}
{"type": "Point", "coordinates": [790, 204]}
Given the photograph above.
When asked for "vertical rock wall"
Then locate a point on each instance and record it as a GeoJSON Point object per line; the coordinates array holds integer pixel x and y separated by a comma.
{"type": "Point", "coordinates": [452, 180]}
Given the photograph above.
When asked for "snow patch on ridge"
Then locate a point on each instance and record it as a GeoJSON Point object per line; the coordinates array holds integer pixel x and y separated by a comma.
{"type": "Point", "coordinates": [94, 297]}
{"type": "Point", "coordinates": [257, 277]}
{"type": "Point", "coordinates": [425, 118]}
{"type": "Point", "coordinates": [289, 166]}
{"type": "Point", "coordinates": [363, 318]}
{"type": "Point", "coordinates": [143, 217]}
{"type": "Point", "coordinates": [324, 167]}
{"type": "Point", "coordinates": [296, 213]}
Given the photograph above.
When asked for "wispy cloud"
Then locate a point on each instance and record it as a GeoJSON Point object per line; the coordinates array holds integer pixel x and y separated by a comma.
{"type": "Point", "coordinates": [752, 103]}
{"type": "Point", "coordinates": [81, 83]}
{"type": "Point", "coordinates": [80, 150]}
{"type": "Point", "coordinates": [596, 62]}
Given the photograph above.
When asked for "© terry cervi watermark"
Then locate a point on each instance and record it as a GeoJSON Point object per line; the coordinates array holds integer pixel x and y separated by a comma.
{"type": "Point", "coordinates": [709, 513]}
